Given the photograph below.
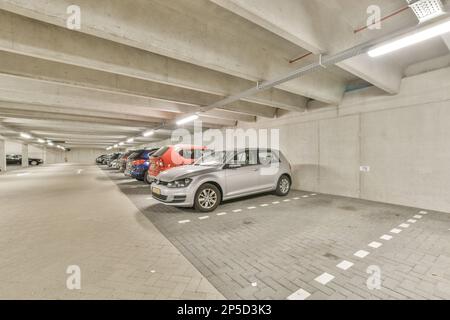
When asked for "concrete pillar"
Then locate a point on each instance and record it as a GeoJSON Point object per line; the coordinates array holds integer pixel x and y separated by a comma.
{"type": "Point", "coordinates": [24, 155]}
{"type": "Point", "coordinates": [2, 155]}
{"type": "Point", "coordinates": [44, 155]}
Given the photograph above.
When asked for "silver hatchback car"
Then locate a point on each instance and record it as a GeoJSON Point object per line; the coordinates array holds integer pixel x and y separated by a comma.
{"type": "Point", "coordinates": [223, 175]}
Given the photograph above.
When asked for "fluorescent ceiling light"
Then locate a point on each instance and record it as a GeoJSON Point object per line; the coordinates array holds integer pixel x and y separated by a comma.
{"type": "Point", "coordinates": [109, 148]}
{"type": "Point", "coordinates": [187, 119]}
{"type": "Point", "coordinates": [131, 140]}
{"type": "Point", "coordinates": [430, 32]}
{"type": "Point", "coordinates": [116, 146]}
{"type": "Point", "coordinates": [41, 141]}
{"type": "Point", "coordinates": [148, 133]}
{"type": "Point", "coordinates": [121, 144]}
{"type": "Point", "coordinates": [25, 135]}
{"type": "Point", "coordinates": [50, 143]}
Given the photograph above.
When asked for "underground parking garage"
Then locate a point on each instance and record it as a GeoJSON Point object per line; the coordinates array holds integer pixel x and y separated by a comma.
{"type": "Point", "coordinates": [225, 150]}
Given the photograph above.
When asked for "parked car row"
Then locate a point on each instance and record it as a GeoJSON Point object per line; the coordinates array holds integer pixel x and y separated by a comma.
{"type": "Point", "coordinates": [16, 159]}
{"type": "Point", "coordinates": [194, 176]}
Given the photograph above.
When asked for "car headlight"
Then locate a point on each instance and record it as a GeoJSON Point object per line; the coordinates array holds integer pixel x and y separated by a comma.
{"type": "Point", "coordinates": [183, 183]}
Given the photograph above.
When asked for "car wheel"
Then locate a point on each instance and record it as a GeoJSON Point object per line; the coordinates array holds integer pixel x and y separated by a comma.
{"type": "Point", "coordinates": [207, 198]}
{"type": "Point", "coordinates": [146, 178]}
{"type": "Point", "coordinates": [33, 163]}
{"type": "Point", "coordinates": [283, 186]}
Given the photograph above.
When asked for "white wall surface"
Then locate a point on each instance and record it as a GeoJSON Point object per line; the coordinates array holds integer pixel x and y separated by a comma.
{"type": "Point", "coordinates": [405, 139]}
{"type": "Point", "coordinates": [13, 147]}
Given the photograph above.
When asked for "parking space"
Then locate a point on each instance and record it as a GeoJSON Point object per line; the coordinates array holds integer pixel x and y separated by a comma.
{"type": "Point", "coordinates": [308, 246]}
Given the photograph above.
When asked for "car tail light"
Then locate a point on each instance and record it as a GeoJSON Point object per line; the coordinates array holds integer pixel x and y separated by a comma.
{"type": "Point", "coordinates": [138, 162]}
{"type": "Point", "coordinates": [161, 163]}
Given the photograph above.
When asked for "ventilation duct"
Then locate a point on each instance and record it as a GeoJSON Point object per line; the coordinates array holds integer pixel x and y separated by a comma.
{"type": "Point", "coordinates": [426, 9]}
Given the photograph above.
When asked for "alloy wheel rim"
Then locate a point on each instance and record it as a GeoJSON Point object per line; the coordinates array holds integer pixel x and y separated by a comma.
{"type": "Point", "coordinates": [284, 185]}
{"type": "Point", "coordinates": [207, 198]}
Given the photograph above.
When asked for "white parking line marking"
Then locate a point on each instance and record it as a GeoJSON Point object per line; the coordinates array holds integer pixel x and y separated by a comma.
{"type": "Point", "coordinates": [423, 212]}
{"type": "Point", "coordinates": [345, 265]}
{"type": "Point", "coordinates": [276, 202]}
{"type": "Point", "coordinates": [305, 196]}
{"type": "Point", "coordinates": [404, 225]}
{"type": "Point", "coordinates": [296, 198]}
{"type": "Point", "coordinates": [254, 284]}
{"type": "Point", "coordinates": [221, 213]}
{"type": "Point", "coordinates": [203, 218]}
{"type": "Point", "coordinates": [251, 208]}
{"type": "Point", "coordinates": [264, 205]}
{"type": "Point", "coordinates": [151, 198]}
{"type": "Point", "coordinates": [324, 278]}
{"type": "Point", "coordinates": [237, 210]}
{"type": "Point", "coordinates": [417, 216]}
{"type": "Point", "coordinates": [375, 244]}
{"type": "Point", "coordinates": [395, 230]}
{"type": "Point", "coordinates": [386, 237]}
{"type": "Point", "coordinates": [152, 271]}
{"type": "Point", "coordinates": [79, 171]}
{"type": "Point", "coordinates": [299, 295]}
{"type": "Point", "coordinates": [361, 254]}
{"type": "Point", "coordinates": [287, 200]}
{"type": "Point", "coordinates": [184, 221]}
{"type": "Point", "coordinates": [314, 194]}
{"type": "Point", "coordinates": [412, 221]}
{"type": "Point", "coordinates": [23, 174]}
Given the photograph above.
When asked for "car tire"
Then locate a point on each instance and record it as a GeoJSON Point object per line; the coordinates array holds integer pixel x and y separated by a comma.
{"type": "Point", "coordinates": [207, 198]}
{"type": "Point", "coordinates": [146, 178]}
{"type": "Point", "coordinates": [283, 186]}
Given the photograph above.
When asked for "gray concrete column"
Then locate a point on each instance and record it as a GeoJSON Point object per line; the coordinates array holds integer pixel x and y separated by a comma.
{"type": "Point", "coordinates": [24, 155]}
{"type": "Point", "coordinates": [2, 155]}
{"type": "Point", "coordinates": [44, 155]}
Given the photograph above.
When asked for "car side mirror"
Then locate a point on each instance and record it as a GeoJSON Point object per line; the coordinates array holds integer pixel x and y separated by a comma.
{"type": "Point", "coordinates": [232, 166]}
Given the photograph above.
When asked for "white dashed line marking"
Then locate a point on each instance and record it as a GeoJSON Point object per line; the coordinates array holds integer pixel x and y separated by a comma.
{"type": "Point", "coordinates": [412, 221]}
{"type": "Point", "coordinates": [345, 265]}
{"type": "Point", "coordinates": [386, 237]}
{"type": "Point", "coordinates": [423, 212]}
{"type": "Point", "coordinates": [251, 208]}
{"type": "Point", "coordinates": [395, 230]}
{"type": "Point", "coordinates": [375, 244]}
{"type": "Point", "coordinates": [276, 202]}
{"type": "Point", "coordinates": [305, 196]}
{"type": "Point", "coordinates": [184, 221]}
{"type": "Point", "coordinates": [404, 225]}
{"type": "Point", "coordinates": [149, 198]}
{"type": "Point", "coordinates": [324, 278]}
{"type": "Point", "coordinates": [153, 271]}
{"type": "Point", "coordinates": [221, 213]}
{"type": "Point", "coordinates": [299, 295]}
{"type": "Point", "coordinates": [254, 284]}
{"type": "Point", "coordinates": [361, 254]}
{"type": "Point", "coordinates": [203, 218]}
{"type": "Point", "coordinates": [22, 174]}
{"type": "Point", "coordinates": [264, 205]}
{"type": "Point", "coordinates": [417, 216]}
{"type": "Point", "coordinates": [287, 200]}
{"type": "Point", "coordinates": [237, 210]}
{"type": "Point", "coordinates": [296, 198]}
{"type": "Point", "coordinates": [314, 194]}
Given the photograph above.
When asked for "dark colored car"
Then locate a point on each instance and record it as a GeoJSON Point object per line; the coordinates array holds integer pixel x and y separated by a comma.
{"type": "Point", "coordinates": [140, 164]}
{"type": "Point", "coordinates": [112, 157]}
{"type": "Point", "coordinates": [100, 159]}
{"type": "Point", "coordinates": [123, 160]}
{"type": "Point", "coordinates": [17, 160]}
{"type": "Point", "coordinates": [130, 159]}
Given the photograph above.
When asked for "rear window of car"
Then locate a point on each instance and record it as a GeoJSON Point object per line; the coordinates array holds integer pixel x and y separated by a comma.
{"type": "Point", "coordinates": [160, 152]}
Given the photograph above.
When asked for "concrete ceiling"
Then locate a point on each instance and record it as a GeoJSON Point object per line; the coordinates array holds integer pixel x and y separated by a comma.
{"type": "Point", "coordinates": [136, 64]}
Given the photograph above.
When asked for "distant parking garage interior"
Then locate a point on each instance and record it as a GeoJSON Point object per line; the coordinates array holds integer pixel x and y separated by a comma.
{"type": "Point", "coordinates": [225, 150]}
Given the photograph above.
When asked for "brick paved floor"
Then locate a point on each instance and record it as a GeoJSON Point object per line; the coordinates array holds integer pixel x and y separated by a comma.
{"type": "Point", "coordinates": [270, 252]}
{"type": "Point", "coordinates": [55, 216]}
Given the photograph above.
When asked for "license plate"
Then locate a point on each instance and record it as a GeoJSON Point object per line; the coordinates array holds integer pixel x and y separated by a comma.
{"type": "Point", "coordinates": [156, 190]}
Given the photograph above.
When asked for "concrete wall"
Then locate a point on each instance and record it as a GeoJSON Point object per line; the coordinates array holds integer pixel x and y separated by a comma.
{"type": "Point", "coordinates": [404, 139]}
{"type": "Point", "coordinates": [13, 147]}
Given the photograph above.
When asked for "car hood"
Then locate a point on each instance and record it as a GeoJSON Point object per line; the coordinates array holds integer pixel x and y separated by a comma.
{"type": "Point", "coordinates": [184, 172]}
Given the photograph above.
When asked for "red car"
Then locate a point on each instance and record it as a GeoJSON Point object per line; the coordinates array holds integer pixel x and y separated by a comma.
{"type": "Point", "coordinates": [173, 156]}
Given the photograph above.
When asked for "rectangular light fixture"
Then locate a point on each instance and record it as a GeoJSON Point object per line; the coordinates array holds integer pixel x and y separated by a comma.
{"type": "Point", "coordinates": [121, 144]}
{"type": "Point", "coordinates": [50, 143]}
{"type": "Point", "coordinates": [25, 135]}
{"type": "Point", "coordinates": [109, 148]}
{"type": "Point", "coordinates": [429, 32]}
{"type": "Point", "coordinates": [187, 119]}
{"type": "Point", "coordinates": [131, 140]}
{"type": "Point", "coordinates": [148, 133]}
{"type": "Point", "coordinates": [41, 141]}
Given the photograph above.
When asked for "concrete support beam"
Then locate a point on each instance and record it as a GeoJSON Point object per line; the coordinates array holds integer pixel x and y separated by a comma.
{"type": "Point", "coordinates": [2, 155]}
{"type": "Point", "coordinates": [222, 42]}
{"type": "Point", "coordinates": [327, 32]}
{"type": "Point", "coordinates": [25, 155]}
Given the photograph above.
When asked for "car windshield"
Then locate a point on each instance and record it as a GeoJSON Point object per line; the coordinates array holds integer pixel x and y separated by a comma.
{"type": "Point", "coordinates": [214, 158]}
